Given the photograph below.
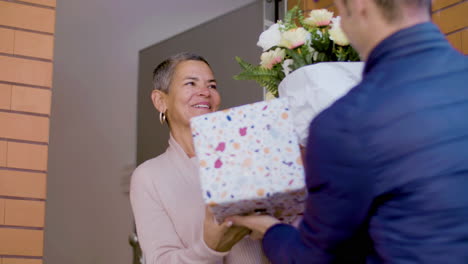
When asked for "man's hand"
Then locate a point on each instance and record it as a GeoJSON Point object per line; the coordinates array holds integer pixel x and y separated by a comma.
{"type": "Point", "coordinates": [259, 224]}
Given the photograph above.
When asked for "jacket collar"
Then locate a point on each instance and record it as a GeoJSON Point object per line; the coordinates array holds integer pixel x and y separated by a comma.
{"type": "Point", "coordinates": [408, 41]}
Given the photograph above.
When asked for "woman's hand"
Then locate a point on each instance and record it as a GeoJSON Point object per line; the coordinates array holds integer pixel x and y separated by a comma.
{"type": "Point", "coordinates": [233, 235]}
{"type": "Point", "coordinates": [259, 224]}
{"type": "Point", "coordinates": [221, 237]}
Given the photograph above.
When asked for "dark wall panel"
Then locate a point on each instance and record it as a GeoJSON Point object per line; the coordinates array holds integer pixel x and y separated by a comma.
{"type": "Point", "coordinates": [219, 41]}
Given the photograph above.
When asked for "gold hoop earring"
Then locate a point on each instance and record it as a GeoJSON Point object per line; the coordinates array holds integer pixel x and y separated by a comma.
{"type": "Point", "coordinates": [162, 118]}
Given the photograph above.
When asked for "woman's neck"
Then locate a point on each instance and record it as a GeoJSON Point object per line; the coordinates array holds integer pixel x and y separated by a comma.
{"type": "Point", "coordinates": [183, 136]}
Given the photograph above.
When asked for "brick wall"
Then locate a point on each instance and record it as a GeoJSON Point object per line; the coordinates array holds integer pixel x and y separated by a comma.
{"type": "Point", "coordinates": [450, 15]}
{"type": "Point", "coordinates": [26, 59]}
{"type": "Point", "coordinates": [452, 18]}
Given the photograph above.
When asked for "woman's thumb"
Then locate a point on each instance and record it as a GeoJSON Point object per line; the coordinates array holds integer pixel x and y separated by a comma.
{"type": "Point", "coordinates": [226, 225]}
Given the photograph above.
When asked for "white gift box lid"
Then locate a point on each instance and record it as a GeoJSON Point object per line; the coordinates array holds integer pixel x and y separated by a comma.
{"type": "Point", "coordinates": [249, 159]}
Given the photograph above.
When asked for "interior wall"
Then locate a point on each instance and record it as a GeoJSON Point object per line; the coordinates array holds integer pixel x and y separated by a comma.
{"type": "Point", "coordinates": [26, 58]}
{"type": "Point", "coordinates": [94, 117]}
{"type": "Point", "coordinates": [449, 15]}
{"type": "Point", "coordinates": [219, 41]}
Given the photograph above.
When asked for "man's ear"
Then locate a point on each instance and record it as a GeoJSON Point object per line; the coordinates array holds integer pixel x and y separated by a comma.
{"type": "Point", "coordinates": [363, 7]}
{"type": "Point", "coordinates": [343, 8]}
{"type": "Point", "coordinates": [159, 100]}
{"type": "Point", "coordinates": [350, 7]}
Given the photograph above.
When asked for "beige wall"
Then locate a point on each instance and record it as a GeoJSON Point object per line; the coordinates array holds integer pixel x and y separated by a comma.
{"type": "Point", "coordinates": [26, 59]}
{"type": "Point", "coordinates": [450, 15]}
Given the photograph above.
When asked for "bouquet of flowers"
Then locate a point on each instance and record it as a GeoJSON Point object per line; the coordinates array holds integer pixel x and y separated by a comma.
{"type": "Point", "coordinates": [296, 42]}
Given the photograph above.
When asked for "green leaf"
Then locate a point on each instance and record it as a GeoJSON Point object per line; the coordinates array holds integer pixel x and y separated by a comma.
{"type": "Point", "coordinates": [289, 18]}
{"type": "Point", "coordinates": [306, 54]}
{"type": "Point", "coordinates": [267, 78]}
{"type": "Point", "coordinates": [322, 57]}
{"type": "Point", "coordinates": [297, 58]}
{"type": "Point", "coordinates": [243, 64]}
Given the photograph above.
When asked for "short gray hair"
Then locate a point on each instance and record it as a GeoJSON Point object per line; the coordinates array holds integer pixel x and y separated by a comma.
{"type": "Point", "coordinates": [391, 9]}
{"type": "Point", "coordinates": [163, 73]}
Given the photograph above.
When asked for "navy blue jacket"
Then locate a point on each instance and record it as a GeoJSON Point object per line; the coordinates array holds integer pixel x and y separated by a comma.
{"type": "Point", "coordinates": [387, 164]}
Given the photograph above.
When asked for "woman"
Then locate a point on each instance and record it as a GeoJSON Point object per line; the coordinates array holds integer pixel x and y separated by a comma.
{"type": "Point", "coordinates": [173, 224]}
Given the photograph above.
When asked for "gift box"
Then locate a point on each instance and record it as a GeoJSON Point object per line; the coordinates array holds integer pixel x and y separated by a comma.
{"type": "Point", "coordinates": [250, 161]}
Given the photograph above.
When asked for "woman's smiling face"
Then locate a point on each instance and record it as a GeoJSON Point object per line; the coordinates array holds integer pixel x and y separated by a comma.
{"type": "Point", "coordinates": [192, 92]}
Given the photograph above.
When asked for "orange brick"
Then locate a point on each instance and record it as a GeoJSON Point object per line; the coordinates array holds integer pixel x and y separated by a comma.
{"type": "Point", "coordinates": [25, 71]}
{"type": "Point", "coordinates": [33, 44]}
{"type": "Point", "coordinates": [26, 156]}
{"type": "Point", "coordinates": [3, 153]}
{"type": "Point", "coordinates": [51, 3]}
{"type": "Point", "coordinates": [5, 96]}
{"type": "Point", "coordinates": [311, 4]}
{"type": "Point", "coordinates": [456, 40]}
{"type": "Point", "coordinates": [23, 184]}
{"type": "Point", "coordinates": [334, 10]}
{"type": "Point", "coordinates": [438, 4]}
{"type": "Point", "coordinates": [452, 18]}
{"type": "Point", "coordinates": [465, 41]}
{"type": "Point", "coordinates": [24, 127]}
{"type": "Point", "coordinates": [2, 212]}
{"type": "Point", "coordinates": [24, 213]}
{"type": "Point", "coordinates": [27, 17]}
{"type": "Point", "coordinates": [30, 100]}
{"type": "Point", "coordinates": [21, 242]}
{"type": "Point", "coordinates": [292, 3]}
{"type": "Point", "coordinates": [6, 40]}
{"type": "Point", "coordinates": [21, 261]}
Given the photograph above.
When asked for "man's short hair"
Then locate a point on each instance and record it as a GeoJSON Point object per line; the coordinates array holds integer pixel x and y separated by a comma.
{"type": "Point", "coordinates": [162, 74]}
{"type": "Point", "coordinates": [391, 9]}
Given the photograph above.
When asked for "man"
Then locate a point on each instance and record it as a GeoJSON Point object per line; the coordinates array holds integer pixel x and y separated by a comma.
{"type": "Point", "coordinates": [387, 164]}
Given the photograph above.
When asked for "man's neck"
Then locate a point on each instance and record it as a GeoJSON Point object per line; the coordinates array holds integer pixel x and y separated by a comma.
{"type": "Point", "coordinates": [384, 30]}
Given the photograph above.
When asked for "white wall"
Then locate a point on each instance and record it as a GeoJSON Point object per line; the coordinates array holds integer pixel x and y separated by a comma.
{"type": "Point", "coordinates": [93, 120]}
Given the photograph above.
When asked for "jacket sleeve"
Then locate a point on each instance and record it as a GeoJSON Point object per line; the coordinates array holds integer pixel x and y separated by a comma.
{"type": "Point", "coordinates": [158, 239]}
{"type": "Point", "coordinates": [340, 193]}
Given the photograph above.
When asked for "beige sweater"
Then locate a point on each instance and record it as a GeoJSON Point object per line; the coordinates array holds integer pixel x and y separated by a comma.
{"type": "Point", "coordinates": [169, 211]}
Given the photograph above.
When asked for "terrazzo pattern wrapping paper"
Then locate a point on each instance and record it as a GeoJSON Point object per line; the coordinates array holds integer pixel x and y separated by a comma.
{"type": "Point", "coordinates": [250, 161]}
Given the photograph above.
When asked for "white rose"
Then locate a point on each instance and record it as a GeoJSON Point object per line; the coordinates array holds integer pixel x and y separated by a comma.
{"type": "Point", "coordinates": [270, 37]}
{"type": "Point", "coordinates": [319, 17]}
{"type": "Point", "coordinates": [272, 57]}
{"type": "Point", "coordinates": [285, 65]}
{"type": "Point", "coordinates": [337, 34]}
{"type": "Point", "coordinates": [294, 38]}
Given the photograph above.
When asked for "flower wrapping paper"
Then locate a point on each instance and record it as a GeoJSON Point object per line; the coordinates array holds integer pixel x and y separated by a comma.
{"type": "Point", "coordinates": [314, 88]}
{"type": "Point", "coordinates": [250, 161]}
